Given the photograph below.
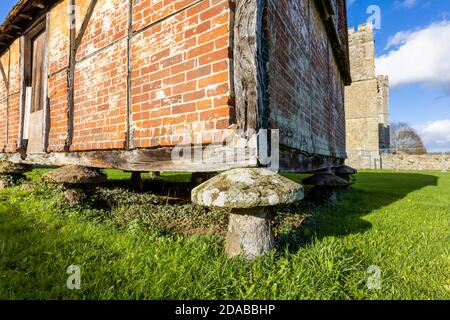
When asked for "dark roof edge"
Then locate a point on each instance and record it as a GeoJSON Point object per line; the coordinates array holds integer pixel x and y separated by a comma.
{"type": "Point", "coordinates": [21, 16]}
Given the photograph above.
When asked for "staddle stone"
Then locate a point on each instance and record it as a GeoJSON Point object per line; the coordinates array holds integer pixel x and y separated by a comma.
{"type": "Point", "coordinates": [248, 193]}
{"type": "Point", "coordinates": [344, 170]}
{"type": "Point", "coordinates": [325, 186]}
{"type": "Point", "coordinates": [325, 180]}
{"type": "Point", "coordinates": [74, 174]}
{"type": "Point", "coordinates": [248, 233]}
{"type": "Point", "coordinates": [346, 173]}
{"type": "Point", "coordinates": [8, 167]}
{"type": "Point", "coordinates": [247, 188]}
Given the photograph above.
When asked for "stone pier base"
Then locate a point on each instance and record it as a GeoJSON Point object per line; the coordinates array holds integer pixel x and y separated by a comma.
{"type": "Point", "coordinates": [248, 193]}
{"type": "Point", "coordinates": [249, 233]}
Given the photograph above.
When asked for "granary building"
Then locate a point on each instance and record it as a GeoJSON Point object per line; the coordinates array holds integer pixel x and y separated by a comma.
{"type": "Point", "coordinates": [118, 83]}
{"type": "Point", "coordinates": [124, 83]}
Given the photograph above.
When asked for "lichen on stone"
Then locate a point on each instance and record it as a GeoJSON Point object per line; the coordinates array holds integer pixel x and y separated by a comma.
{"type": "Point", "coordinates": [247, 188]}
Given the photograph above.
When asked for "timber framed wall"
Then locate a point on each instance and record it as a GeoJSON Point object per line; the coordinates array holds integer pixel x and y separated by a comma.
{"type": "Point", "coordinates": [136, 73]}
{"type": "Point", "coordinates": [129, 79]}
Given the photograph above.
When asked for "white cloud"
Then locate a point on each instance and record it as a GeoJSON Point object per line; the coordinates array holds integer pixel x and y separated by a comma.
{"type": "Point", "coordinates": [435, 135]}
{"type": "Point", "coordinates": [418, 56]}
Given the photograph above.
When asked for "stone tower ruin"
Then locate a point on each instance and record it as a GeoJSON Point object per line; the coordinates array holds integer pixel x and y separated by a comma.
{"type": "Point", "coordinates": [366, 101]}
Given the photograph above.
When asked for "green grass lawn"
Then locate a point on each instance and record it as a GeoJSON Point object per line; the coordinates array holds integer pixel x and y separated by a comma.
{"type": "Point", "coordinates": [131, 246]}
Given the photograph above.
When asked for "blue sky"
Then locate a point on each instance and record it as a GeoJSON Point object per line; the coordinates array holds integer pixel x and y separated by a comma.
{"type": "Point", "coordinates": [5, 7]}
{"type": "Point", "coordinates": [416, 97]}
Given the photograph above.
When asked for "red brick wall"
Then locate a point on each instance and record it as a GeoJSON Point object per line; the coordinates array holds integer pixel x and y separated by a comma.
{"type": "Point", "coordinates": [305, 86]}
{"type": "Point", "coordinates": [11, 64]}
{"type": "Point", "coordinates": [57, 93]}
{"type": "Point", "coordinates": [13, 123]}
{"type": "Point", "coordinates": [179, 74]}
{"type": "Point", "coordinates": [180, 69]}
{"type": "Point", "coordinates": [58, 60]}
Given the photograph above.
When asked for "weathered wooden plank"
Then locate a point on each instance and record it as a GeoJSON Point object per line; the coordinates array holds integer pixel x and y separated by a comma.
{"type": "Point", "coordinates": [4, 77]}
{"type": "Point", "coordinates": [8, 98]}
{"type": "Point", "coordinates": [22, 91]}
{"type": "Point", "coordinates": [71, 78]}
{"type": "Point", "coordinates": [142, 160]}
{"type": "Point", "coordinates": [130, 133]}
{"type": "Point", "coordinates": [249, 70]}
{"type": "Point", "coordinates": [294, 161]}
{"type": "Point", "coordinates": [160, 160]}
{"type": "Point", "coordinates": [45, 102]}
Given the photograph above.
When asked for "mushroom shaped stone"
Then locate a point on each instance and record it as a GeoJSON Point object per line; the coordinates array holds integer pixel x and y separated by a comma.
{"type": "Point", "coordinates": [325, 180]}
{"type": "Point", "coordinates": [8, 167]}
{"type": "Point", "coordinates": [11, 173]}
{"type": "Point", "coordinates": [248, 193]}
{"type": "Point", "coordinates": [345, 172]}
{"type": "Point", "coordinates": [324, 187]}
{"type": "Point", "coordinates": [75, 175]}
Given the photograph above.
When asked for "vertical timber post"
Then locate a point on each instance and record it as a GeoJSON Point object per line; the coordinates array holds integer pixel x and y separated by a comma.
{"type": "Point", "coordinates": [249, 69]}
{"type": "Point", "coordinates": [71, 76]}
{"type": "Point", "coordinates": [75, 42]}
{"type": "Point", "coordinates": [129, 136]}
{"type": "Point", "coordinates": [46, 104]}
{"type": "Point", "coordinates": [23, 85]}
{"type": "Point", "coordinates": [5, 79]}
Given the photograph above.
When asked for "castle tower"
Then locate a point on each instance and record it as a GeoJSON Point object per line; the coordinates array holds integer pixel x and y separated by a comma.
{"type": "Point", "coordinates": [366, 100]}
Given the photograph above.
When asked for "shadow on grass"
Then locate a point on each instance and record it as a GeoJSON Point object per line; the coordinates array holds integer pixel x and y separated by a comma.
{"type": "Point", "coordinates": [371, 191]}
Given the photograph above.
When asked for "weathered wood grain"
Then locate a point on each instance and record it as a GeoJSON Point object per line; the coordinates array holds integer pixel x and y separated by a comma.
{"type": "Point", "coordinates": [249, 73]}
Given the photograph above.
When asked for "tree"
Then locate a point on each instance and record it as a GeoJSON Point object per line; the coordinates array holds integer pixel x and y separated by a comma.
{"type": "Point", "coordinates": [405, 139]}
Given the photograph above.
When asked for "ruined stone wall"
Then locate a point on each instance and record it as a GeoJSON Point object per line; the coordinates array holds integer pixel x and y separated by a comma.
{"type": "Point", "coordinates": [402, 162]}
{"type": "Point", "coordinates": [367, 99]}
{"type": "Point", "coordinates": [306, 90]}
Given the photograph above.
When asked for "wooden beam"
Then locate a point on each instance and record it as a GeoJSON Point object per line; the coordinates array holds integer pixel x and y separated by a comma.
{"type": "Point", "coordinates": [130, 132]}
{"type": "Point", "coordinates": [8, 99]}
{"type": "Point", "coordinates": [142, 160]}
{"type": "Point", "coordinates": [46, 102]}
{"type": "Point", "coordinates": [84, 25]}
{"type": "Point", "coordinates": [25, 16]}
{"type": "Point", "coordinates": [249, 68]}
{"type": "Point", "coordinates": [71, 78]}
{"type": "Point", "coordinates": [37, 4]}
{"type": "Point", "coordinates": [145, 160]}
{"type": "Point", "coordinates": [74, 44]}
{"type": "Point", "coordinates": [23, 85]}
{"type": "Point", "coordinates": [2, 71]}
{"type": "Point", "coordinates": [6, 81]}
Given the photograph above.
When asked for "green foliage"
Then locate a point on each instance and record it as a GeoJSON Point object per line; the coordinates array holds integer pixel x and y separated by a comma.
{"type": "Point", "coordinates": [143, 246]}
